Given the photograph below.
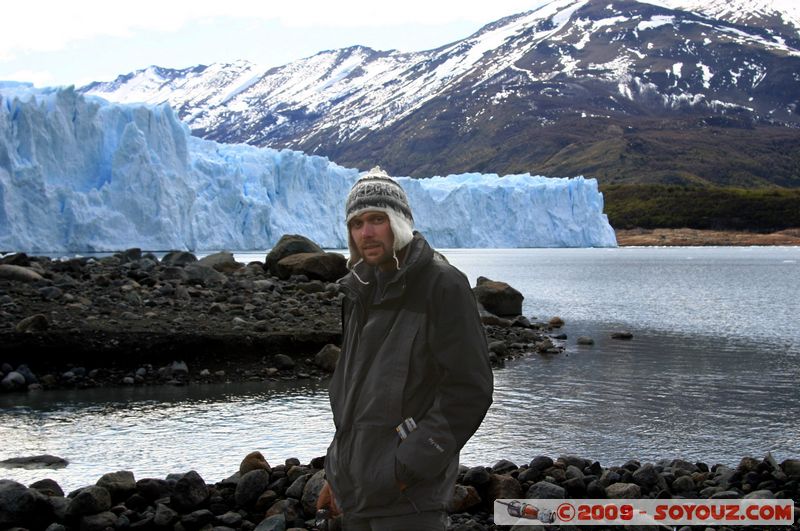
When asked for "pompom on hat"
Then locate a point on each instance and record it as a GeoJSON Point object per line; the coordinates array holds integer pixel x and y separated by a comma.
{"type": "Point", "coordinates": [377, 192]}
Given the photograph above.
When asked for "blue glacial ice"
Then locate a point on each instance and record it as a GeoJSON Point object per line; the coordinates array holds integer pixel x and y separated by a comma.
{"type": "Point", "coordinates": [80, 174]}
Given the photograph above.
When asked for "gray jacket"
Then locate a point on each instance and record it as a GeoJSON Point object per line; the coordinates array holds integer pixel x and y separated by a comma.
{"type": "Point", "coordinates": [418, 351]}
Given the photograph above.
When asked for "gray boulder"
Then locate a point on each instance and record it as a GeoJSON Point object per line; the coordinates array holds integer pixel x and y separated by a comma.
{"type": "Point", "coordinates": [251, 486]}
{"type": "Point", "coordinates": [200, 274]}
{"type": "Point", "coordinates": [178, 258]}
{"type": "Point", "coordinates": [275, 522]}
{"type": "Point", "coordinates": [98, 522]}
{"type": "Point", "coordinates": [546, 490]}
{"type": "Point", "coordinates": [89, 500]}
{"type": "Point", "coordinates": [288, 245]}
{"type": "Point", "coordinates": [164, 516]}
{"type": "Point", "coordinates": [503, 487]}
{"type": "Point", "coordinates": [624, 490]}
{"type": "Point", "coordinates": [318, 266]}
{"type": "Point", "coordinates": [190, 491]}
{"type": "Point", "coordinates": [18, 273]}
{"type": "Point", "coordinates": [35, 462]}
{"type": "Point", "coordinates": [222, 262]}
{"type": "Point", "coordinates": [34, 323]}
{"type": "Point", "coordinates": [12, 382]}
{"type": "Point", "coordinates": [311, 492]}
{"type": "Point", "coordinates": [498, 297]}
{"type": "Point", "coordinates": [119, 484]}
{"type": "Point", "coordinates": [16, 503]}
{"type": "Point", "coordinates": [327, 358]}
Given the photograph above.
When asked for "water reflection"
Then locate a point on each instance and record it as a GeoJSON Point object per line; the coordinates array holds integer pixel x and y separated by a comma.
{"type": "Point", "coordinates": [711, 374]}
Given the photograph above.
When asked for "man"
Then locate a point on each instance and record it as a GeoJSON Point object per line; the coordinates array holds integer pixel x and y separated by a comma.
{"type": "Point", "coordinates": [413, 382]}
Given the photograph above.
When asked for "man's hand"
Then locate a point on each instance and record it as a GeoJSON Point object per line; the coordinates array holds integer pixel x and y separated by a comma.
{"type": "Point", "coordinates": [327, 501]}
{"type": "Point", "coordinates": [402, 485]}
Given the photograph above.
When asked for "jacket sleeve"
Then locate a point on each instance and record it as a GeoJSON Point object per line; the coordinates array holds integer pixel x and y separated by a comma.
{"type": "Point", "coordinates": [457, 342]}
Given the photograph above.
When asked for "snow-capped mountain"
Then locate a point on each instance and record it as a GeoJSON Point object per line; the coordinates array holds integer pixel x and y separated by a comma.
{"type": "Point", "coordinates": [574, 87]}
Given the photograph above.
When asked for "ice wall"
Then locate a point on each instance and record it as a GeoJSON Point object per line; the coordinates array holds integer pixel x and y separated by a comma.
{"type": "Point", "coordinates": [80, 174]}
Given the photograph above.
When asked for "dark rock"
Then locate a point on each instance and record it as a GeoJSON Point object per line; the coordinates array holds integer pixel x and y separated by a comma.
{"type": "Point", "coordinates": [530, 475]}
{"type": "Point", "coordinates": [275, 522]}
{"type": "Point", "coordinates": [204, 275]}
{"type": "Point", "coordinates": [25, 371]}
{"type": "Point", "coordinates": [504, 466]}
{"type": "Point", "coordinates": [89, 500]}
{"type": "Point", "coordinates": [35, 462]}
{"type": "Point", "coordinates": [222, 262]}
{"type": "Point", "coordinates": [230, 519]}
{"type": "Point", "coordinates": [556, 322]}
{"type": "Point", "coordinates": [197, 519]}
{"type": "Point", "coordinates": [762, 494]}
{"type": "Point", "coordinates": [164, 516]}
{"type": "Point", "coordinates": [498, 297]}
{"type": "Point", "coordinates": [129, 255]}
{"type": "Point", "coordinates": [545, 490]}
{"type": "Point", "coordinates": [18, 274]}
{"type": "Point", "coordinates": [648, 477]}
{"type": "Point", "coordinates": [153, 489]}
{"type": "Point", "coordinates": [289, 507]}
{"type": "Point", "coordinates": [12, 381]}
{"type": "Point", "coordinates": [624, 490]}
{"type": "Point", "coordinates": [178, 258]}
{"type": "Point", "coordinates": [575, 487]}
{"type": "Point", "coordinates": [503, 487]}
{"type": "Point", "coordinates": [136, 502]}
{"type": "Point", "coordinates": [791, 467]}
{"type": "Point", "coordinates": [174, 273]}
{"type": "Point", "coordinates": [50, 293]}
{"type": "Point", "coordinates": [521, 321]}
{"type": "Point", "coordinates": [288, 245]}
{"type": "Point", "coordinates": [284, 362]}
{"type": "Point", "coordinates": [586, 341]}
{"type": "Point", "coordinates": [726, 495]}
{"type": "Point", "coordinates": [119, 484]}
{"type": "Point", "coordinates": [295, 490]}
{"type": "Point", "coordinates": [541, 462]}
{"type": "Point", "coordinates": [463, 499]}
{"type": "Point", "coordinates": [48, 487]}
{"type": "Point", "coordinates": [34, 323]}
{"type": "Point", "coordinates": [477, 476]}
{"type": "Point", "coordinates": [190, 492]}
{"type": "Point", "coordinates": [253, 461]}
{"type": "Point", "coordinates": [327, 358]}
{"type": "Point", "coordinates": [498, 347]}
{"type": "Point", "coordinates": [311, 492]}
{"type": "Point", "coordinates": [324, 266]}
{"type": "Point", "coordinates": [683, 484]}
{"type": "Point", "coordinates": [251, 486]}
{"type": "Point", "coordinates": [17, 503]}
{"type": "Point", "coordinates": [17, 259]}
{"type": "Point", "coordinates": [623, 334]}
{"type": "Point", "coordinates": [98, 522]}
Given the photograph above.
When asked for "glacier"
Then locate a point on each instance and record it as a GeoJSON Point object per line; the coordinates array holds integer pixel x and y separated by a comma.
{"type": "Point", "coordinates": [80, 174]}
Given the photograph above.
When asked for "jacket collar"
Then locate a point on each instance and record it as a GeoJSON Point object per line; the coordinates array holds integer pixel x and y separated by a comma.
{"type": "Point", "coordinates": [418, 254]}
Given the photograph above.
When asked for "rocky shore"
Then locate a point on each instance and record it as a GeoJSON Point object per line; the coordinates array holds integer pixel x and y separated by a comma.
{"type": "Point", "coordinates": [135, 319]}
{"type": "Point", "coordinates": [695, 237]}
{"type": "Point", "coordinates": [276, 498]}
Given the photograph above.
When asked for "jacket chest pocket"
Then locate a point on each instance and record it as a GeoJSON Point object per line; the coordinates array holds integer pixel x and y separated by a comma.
{"type": "Point", "coordinates": [393, 347]}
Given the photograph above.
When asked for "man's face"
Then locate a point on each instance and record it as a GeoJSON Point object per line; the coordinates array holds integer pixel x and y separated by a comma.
{"type": "Point", "coordinates": [373, 238]}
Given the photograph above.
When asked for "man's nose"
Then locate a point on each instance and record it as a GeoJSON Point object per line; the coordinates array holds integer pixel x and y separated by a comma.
{"type": "Point", "coordinates": [367, 230]}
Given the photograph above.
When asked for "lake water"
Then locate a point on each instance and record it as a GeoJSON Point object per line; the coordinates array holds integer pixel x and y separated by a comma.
{"type": "Point", "coordinates": [711, 374]}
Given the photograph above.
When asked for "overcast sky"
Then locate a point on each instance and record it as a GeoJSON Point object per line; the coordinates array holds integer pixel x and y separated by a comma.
{"type": "Point", "coordinates": [58, 42]}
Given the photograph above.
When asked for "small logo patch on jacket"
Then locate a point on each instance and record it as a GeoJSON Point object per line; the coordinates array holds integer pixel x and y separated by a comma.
{"type": "Point", "coordinates": [436, 445]}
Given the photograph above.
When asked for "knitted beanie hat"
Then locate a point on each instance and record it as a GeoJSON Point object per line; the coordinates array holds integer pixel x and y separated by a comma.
{"type": "Point", "coordinates": [376, 191]}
